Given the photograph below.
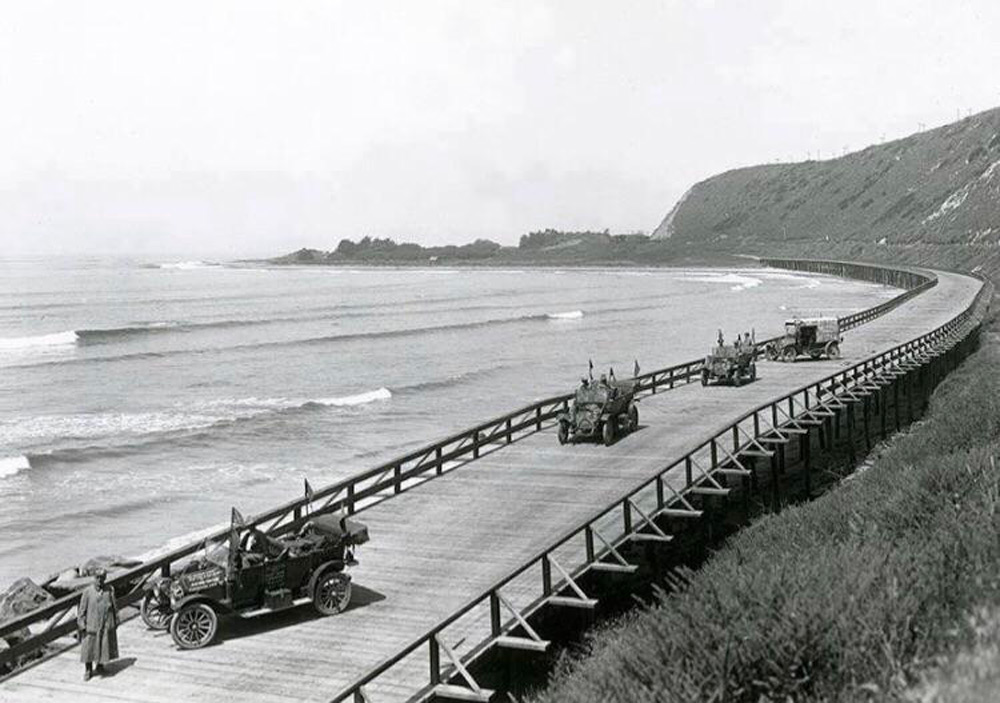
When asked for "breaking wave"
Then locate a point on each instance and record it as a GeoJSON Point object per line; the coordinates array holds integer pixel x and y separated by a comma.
{"type": "Point", "coordinates": [351, 400]}
{"type": "Point", "coordinates": [9, 466]}
{"type": "Point", "coordinates": [735, 281]}
{"type": "Point", "coordinates": [188, 265]}
{"type": "Point", "coordinates": [56, 339]}
{"type": "Point", "coordinates": [571, 315]}
{"type": "Point", "coordinates": [130, 428]}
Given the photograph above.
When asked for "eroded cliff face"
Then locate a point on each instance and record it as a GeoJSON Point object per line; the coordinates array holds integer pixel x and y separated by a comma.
{"type": "Point", "coordinates": [930, 194]}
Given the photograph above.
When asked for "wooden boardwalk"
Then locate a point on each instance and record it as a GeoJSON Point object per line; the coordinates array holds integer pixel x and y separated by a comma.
{"type": "Point", "coordinates": [439, 544]}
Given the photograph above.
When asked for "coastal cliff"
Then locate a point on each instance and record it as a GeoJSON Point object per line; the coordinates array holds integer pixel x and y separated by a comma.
{"type": "Point", "coordinates": [930, 198]}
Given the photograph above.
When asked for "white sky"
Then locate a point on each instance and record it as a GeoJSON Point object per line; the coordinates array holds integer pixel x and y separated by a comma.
{"type": "Point", "coordinates": [251, 127]}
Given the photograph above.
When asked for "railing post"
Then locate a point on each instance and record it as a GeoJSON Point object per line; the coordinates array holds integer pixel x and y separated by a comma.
{"type": "Point", "coordinates": [538, 418]}
{"type": "Point", "coordinates": [350, 499]}
{"type": "Point", "coordinates": [659, 492]}
{"type": "Point", "coordinates": [714, 453]}
{"type": "Point", "coordinates": [507, 426]}
{"type": "Point", "coordinates": [687, 470]}
{"type": "Point", "coordinates": [494, 614]}
{"type": "Point", "coordinates": [439, 468]}
{"type": "Point", "coordinates": [475, 444]}
{"type": "Point", "coordinates": [588, 537]}
{"type": "Point", "coordinates": [397, 478]}
{"type": "Point", "coordinates": [627, 515]}
{"type": "Point", "coordinates": [435, 659]}
{"type": "Point", "coordinates": [546, 576]}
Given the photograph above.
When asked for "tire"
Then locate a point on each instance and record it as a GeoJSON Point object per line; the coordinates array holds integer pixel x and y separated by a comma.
{"type": "Point", "coordinates": [332, 593]}
{"type": "Point", "coordinates": [194, 626]}
{"type": "Point", "coordinates": [753, 371]}
{"type": "Point", "coordinates": [833, 350]}
{"type": "Point", "coordinates": [737, 378]}
{"type": "Point", "coordinates": [771, 352]}
{"type": "Point", "coordinates": [704, 377]}
{"type": "Point", "coordinates": [563, 432]}
{"type": "Point", "coordinates": [155, 613]}
{"type": "Point", "coordinates": [633, 418]}
{"type": "Point", "coordinates": [788, 355]}
{"type": "Point", "coordinates": [608, 431]}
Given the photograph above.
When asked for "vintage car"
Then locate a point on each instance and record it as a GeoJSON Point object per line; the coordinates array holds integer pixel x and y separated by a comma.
{"type": "Point", "coordinates": [255, 573]}
{"type": "Point", "coordinates": [600, 409]}
{"type": "Point", "coordinates": [730, 363]}
{"type": "Point", "coordinates": [814, 337]}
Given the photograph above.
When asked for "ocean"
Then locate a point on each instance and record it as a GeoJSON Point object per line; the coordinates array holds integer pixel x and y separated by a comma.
{"type": "Point", "coordinates": [140, 400]}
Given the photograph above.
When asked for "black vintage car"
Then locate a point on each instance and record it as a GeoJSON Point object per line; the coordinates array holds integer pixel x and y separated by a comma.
{"type": "Point", "coordinates": [600, 409]}
{"type": "Point", "coordinates": [255, 573]}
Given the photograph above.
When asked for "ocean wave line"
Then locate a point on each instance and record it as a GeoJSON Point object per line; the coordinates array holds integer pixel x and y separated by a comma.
{"type": "Point", "coordinates": [13, 465]}
{"type": "Point", "coordinates": [199, 416]}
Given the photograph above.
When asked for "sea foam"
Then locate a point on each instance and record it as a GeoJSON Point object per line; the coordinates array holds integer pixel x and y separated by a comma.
{"type": "Point", "coordinates": [359, 399]}
{"type": "Point", "coordinates": [57, 339]}
{"type": "Point", "coordinates": [10, 466]}
{"type": "Point", "coordinates": [571, 315]}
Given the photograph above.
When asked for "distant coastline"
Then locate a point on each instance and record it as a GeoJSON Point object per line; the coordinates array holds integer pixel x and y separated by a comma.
{"type": "Point", "coordinates": [542, 249]}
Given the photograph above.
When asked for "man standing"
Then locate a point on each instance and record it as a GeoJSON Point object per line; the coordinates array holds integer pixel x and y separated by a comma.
{"type": "Point", "coordinates": [97, 620]}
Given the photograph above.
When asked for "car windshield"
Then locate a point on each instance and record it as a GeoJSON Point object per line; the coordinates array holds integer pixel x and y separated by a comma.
{"type": "Point", "coordinates": [218, 554]}
{"type": "Point", "coordinates": [594, 393]}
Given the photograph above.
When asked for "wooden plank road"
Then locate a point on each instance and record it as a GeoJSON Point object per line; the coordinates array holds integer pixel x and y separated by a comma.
{"type": "Point", "coordinates": [439, 544]}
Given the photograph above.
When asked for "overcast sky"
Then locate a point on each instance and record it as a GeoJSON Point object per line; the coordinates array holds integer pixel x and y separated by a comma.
{"type": "Point", "coordinates": [250, 127]}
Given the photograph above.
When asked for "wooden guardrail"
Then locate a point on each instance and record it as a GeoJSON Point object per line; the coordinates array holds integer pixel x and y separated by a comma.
{"type": "Point", "coordinates": [382, 482]}
{"type": "Point", "coordinates": [722, 454]}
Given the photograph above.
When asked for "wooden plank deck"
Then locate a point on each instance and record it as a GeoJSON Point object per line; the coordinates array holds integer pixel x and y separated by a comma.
{"type": "Point", "coordinates": [439, 544]}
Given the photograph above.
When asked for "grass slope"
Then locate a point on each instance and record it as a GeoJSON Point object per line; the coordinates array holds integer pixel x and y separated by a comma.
{"type": "Point", "coordinates": [912, 199]}
{"type": "Point", "coordinates": [850, 596]}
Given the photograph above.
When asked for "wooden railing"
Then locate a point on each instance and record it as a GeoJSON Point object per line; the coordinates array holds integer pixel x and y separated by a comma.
{"type": "Point", "coordinates": [370, 487]}
{"type": "Point", "coordinates": [726, 453]}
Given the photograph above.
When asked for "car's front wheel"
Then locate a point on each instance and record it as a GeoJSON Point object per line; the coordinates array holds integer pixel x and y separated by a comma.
{"type": "Point", "coordinates": [608, 431]}
{"type": "Point", "coordinates": [155, 612]}
{"type": "Point", "coordinates": [332, 593]}
{"type": "Point", "coordinates": [833, 350]}
{"type": "Point", "coordinates": [194, 626]}
{"type": "Point", "coordinates": [563, 432]}
{"type": "Point", "coordinates": [633, 418]}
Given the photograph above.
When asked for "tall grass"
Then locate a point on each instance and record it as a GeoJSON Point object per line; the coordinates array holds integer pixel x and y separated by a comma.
{"type": "Point", "coordinates": [840, 599]}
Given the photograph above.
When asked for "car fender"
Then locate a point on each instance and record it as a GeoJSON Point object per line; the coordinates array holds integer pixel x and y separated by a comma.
{"type": "Point", "coordinates": [336, 564]}
{"type": "Point", "coordinates": [199, 598]}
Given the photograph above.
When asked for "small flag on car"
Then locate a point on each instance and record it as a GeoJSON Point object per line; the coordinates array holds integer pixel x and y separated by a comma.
{"type": "Point", "coordinates": [635, 369]}
{"type": "Point", "coordinates": [237, 519]}
{"type": "Point", "coordinates": [309, 491]}
{"type": "Point", "coordinates": [591, 371]}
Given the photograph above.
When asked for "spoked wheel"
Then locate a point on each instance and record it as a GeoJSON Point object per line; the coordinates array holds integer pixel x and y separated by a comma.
{"type": "Point", "coordinates": [737, 378]}
{"type": "Point", "coordinates": [788, 355]}
{"type": "Point", "coordinates": [633, 418]}
{"type": "Point", "coordinates": [833, 350]}
{"type": "Point", "coordinates": [155, 612]}
{"type": "Point", "coordinates": [332, 593]}
{"type": "Point", "coordinates": [194, 626]}
{"type": "Point", "coordinates": [771, 352]}
{"type": "Point", "coordinates": [563, 432]}
{"type": "Point", "coordinates": [704, 377]}
{"type": "Point", "coordinates": [608, 432]}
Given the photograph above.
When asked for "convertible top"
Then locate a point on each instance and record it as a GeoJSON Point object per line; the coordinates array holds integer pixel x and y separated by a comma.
{"type": "Point", "coordinates": [337, 525]}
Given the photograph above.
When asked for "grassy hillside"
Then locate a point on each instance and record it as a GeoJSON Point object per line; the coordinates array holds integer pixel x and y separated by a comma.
{"type": "Point", "coordinates": [933, 198]}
